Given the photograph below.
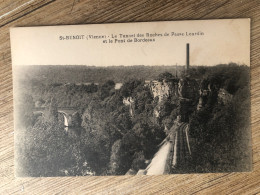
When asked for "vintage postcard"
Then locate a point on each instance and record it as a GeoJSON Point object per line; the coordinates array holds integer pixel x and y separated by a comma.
{"type": "Point", "coordinates": [145, 98]}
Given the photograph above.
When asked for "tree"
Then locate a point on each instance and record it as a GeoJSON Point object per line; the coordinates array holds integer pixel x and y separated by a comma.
{"type": "Point", "coordinates": [128, 88]}
{"type": "Point", "coordinates": [25, 110]}
{"type": "Point", "coordinates": [115, 158]}
{"type": "Point", "coordinates": [139, 161]}
{"type": "Point", "coordinates": [106, 89]}
{"type": "Point", "coordinates": [165, 76]}
{"type": "Point", "coordinates": [51, 112]}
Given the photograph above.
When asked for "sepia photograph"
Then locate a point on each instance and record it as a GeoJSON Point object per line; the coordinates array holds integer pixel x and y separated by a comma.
{"type": "Point", "coordinates": [132, 99]}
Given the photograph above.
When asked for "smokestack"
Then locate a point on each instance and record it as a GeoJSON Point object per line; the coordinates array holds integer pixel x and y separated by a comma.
{"type": "Point", "coordinates": [176, 71]}
{"type": "Point", "coordinates": [187, 56]}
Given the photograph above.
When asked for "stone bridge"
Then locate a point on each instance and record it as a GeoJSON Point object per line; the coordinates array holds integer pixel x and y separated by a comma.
{"type": "Point", "coordinates": [67, 113]}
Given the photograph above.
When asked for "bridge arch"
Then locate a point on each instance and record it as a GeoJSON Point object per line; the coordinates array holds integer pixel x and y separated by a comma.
{"type": "Point", "coordinates": [66, 118]}
{"type": "Point", "coordinates": [67, 114]}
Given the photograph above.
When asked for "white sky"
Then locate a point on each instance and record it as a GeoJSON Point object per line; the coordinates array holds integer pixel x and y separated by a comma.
{"type": "Point", "coordinates": [224, 41]}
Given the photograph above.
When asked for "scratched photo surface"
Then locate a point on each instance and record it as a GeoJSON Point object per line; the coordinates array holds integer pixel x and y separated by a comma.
{"type": "Point", "coordinates": [188, 112]}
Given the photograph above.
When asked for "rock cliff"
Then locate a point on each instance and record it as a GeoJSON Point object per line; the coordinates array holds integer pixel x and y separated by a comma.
{"type": "Point", "coordinates": [129, 101]}
{"type": "Point", "coordinates": [181, 92]}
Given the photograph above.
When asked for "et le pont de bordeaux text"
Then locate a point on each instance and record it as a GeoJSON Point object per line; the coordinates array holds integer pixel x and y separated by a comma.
{"type": "Point", "coordinates": [136, 37]}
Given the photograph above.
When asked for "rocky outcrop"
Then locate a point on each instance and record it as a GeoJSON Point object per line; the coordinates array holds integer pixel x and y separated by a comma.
{"type": "Point", "coordinates": [160, 90]}
{"type": "Point", "coordinates": [185, 92]}
{"type": "Point", "coordinates": [164, 89]}
{"type": "Point", "coordinates": [188, 88]}
{"type": "Point", "coordinates": [129, 101]}
{"type": "Point", "coordinates": [204, 94]}
{"type": "Point", "coordinates": [208, 90]}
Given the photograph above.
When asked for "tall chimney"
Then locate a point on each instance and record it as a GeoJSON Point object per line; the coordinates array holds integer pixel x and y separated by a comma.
{"type": "Point", "coordinates": [187, 56]}
{"type": "Point", "coordinates": [176, 71]}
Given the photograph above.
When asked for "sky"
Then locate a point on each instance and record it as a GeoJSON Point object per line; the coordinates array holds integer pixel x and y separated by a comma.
{"type": "Point", "coordinates": [211, 42]}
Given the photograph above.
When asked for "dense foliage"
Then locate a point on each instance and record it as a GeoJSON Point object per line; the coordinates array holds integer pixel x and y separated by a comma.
{"type": "Point", "coordinates": [110, 137]}
{"type": "Point", "coordinates": [222, 130]}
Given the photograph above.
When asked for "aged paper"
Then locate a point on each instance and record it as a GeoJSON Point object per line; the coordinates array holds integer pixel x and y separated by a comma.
{"type": "Point", "coordinates": [143, 98]}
